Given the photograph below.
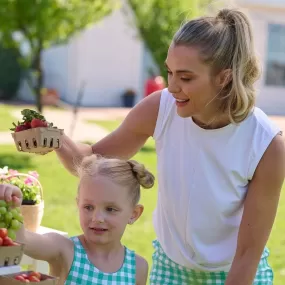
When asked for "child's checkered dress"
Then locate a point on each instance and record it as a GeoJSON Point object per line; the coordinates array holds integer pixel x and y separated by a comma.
{"type": "Point", "coordinates": [83, 272]}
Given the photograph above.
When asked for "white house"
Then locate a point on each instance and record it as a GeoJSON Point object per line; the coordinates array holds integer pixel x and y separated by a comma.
{"type": "Point", "coordinates": [268, 20]}
{"type": "Point", "coordinates": [107, 58]}
{"type": "Point", "coordinates": [110, 58]}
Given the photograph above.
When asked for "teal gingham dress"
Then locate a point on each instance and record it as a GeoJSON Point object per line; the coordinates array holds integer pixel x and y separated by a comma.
{"type": "Point", "coordinates": [83, 272]}
{"type": "Point", "coordinates": [167, 272]}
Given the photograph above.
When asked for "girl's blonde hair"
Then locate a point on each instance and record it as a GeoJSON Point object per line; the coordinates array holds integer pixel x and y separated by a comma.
{"type": "Point", "coordinates": [126, 173]}
{"type": "Point", "coordinates": [226, 42]}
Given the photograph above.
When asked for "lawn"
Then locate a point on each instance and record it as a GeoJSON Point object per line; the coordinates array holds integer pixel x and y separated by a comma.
{"type": "Point", "coordinates": [109, 125]}
{"type": "Point", "coordinates": [61, 212]}
{"type": "Point", "coordinates": [6, 118]}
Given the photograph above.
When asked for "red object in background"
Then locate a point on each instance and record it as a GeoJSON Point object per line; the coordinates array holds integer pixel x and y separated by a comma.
{"type": "Point", "coordinates": [154, 84]}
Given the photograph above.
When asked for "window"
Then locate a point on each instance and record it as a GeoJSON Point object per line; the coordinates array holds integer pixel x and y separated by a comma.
{"type": "Point", "coordinates": [275, 65]}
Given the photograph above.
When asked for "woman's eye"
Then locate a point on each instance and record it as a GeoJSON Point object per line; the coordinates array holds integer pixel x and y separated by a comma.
{"type": "Point", "coordinates": [185, 79]}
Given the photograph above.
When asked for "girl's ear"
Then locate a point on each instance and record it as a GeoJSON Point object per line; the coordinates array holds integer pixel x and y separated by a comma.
{"type": "Point", "coordinates": [138, 210]}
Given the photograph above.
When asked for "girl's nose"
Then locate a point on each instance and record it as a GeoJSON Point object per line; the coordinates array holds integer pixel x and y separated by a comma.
{"type": "Point", "coordinates": [98, 216]}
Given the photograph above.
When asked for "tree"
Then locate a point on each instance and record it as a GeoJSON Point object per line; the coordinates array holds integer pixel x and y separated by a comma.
{"type": "Point", "coordinates": [10, 72]}
{"type": "Point", "coordinates": [42, 23]}
{"type": "Point", "coordinates": [158, 20]}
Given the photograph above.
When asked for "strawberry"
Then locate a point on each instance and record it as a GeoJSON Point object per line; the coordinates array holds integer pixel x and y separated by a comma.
{"type": "Point", "coordinates": [28, 125]}
{"type": "Point", "coordinates": [21, 128]}
{"type": "Point", "coordinates": [36, 123]}
{"type": "Point", "coordinates": [31, 119]}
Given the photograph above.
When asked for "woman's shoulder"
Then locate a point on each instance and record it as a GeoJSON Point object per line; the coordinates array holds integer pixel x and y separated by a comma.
{"type": "Point", "coordinates": [261, 132]}
{"type": "Point", "coordinates": [259, 122]}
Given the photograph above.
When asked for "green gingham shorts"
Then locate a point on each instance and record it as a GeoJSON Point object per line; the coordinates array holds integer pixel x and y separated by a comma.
{"type": "Point", "coordinates": [166, 272]}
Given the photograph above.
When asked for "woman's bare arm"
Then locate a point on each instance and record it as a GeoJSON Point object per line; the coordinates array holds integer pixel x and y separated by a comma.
{"type": "Point", "coordinates": [124, 142]}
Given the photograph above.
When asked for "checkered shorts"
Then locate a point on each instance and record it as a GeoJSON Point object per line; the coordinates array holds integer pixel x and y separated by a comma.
{"type": "Point", "coordinates": [167, 272]}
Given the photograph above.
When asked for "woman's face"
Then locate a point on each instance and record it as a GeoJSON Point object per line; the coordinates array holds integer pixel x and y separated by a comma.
{"type": "Point", "coordinates": [191, 83]}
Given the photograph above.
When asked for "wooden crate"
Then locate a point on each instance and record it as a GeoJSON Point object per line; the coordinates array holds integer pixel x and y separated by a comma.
{"type": "Point", "coordinates": [11, 255]}
{"type": "Point", "coordinates": [38, 140]}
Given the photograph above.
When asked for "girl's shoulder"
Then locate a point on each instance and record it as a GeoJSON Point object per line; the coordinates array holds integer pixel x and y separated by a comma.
{"type": "Point", "coordinates": [141, 269]}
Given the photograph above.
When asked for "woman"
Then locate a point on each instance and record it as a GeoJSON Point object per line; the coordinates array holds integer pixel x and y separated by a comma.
{"type": "Point", "coordinates": [221, 161]}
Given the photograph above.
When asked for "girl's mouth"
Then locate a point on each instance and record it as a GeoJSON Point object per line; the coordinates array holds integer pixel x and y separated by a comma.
{"type": "Point", "coordinates": [99, 230]}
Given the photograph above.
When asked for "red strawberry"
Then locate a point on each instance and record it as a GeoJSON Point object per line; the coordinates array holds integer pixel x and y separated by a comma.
{"type": "Point", "coordinates": [28, 125]}
{"type": "Point", "coordinates": [36, 123]}
{"type": "Point", "coordinates": [21, 128]}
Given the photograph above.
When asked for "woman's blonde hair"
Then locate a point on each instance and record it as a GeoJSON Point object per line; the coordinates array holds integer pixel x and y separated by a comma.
{"type": "Point", "coordinates": [126, 173]}
{"type": "Point", "coordinates": [226, 42]}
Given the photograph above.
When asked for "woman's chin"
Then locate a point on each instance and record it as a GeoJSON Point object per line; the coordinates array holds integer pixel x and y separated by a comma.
{"type": "Point", "coordinates": [184, 113]}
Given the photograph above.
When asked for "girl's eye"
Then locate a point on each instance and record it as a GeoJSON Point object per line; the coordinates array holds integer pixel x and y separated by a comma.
{"type": "Point", "coordinates": [110, 209]}
{"type": "Point", "coordinates": [89, 208]}
{"type": "Point", "coordinates": [185, 79]}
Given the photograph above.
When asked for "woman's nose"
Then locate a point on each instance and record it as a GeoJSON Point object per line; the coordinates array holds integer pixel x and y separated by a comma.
{"type": "Point", "coordinates": [173, 87]}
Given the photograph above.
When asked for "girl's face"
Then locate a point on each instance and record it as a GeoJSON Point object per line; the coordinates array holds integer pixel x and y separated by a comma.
{"type": "Point", "coordinates": [105, 209]}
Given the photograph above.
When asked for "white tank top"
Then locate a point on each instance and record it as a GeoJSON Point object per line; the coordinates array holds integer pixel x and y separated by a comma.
{"type": "Point", "coordinates": [203, 178]}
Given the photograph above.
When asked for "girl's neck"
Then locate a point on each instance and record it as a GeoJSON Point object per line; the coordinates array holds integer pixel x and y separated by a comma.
{"type": "Point", "coordinates": [104, 251]}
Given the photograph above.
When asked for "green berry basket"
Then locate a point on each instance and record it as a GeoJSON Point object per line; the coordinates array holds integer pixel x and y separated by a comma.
{"type": "Point", "coordinates": [32, 213]}
{"type": "Point", "coordinates": [39, 140]}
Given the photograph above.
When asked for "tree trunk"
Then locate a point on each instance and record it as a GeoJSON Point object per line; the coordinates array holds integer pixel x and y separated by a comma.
{"type": "Point", "coordinates": [39, 82]}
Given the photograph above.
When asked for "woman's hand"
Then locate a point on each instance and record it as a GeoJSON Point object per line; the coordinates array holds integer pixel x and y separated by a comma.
{"type": "Point", "coordinates": [11, 193]}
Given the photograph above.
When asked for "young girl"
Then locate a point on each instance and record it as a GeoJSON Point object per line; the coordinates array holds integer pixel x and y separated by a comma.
{"type": "Point", "coordinates": [108, 195]}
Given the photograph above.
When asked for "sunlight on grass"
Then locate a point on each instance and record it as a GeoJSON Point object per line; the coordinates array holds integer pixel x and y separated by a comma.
{"type": "Point", "coordinates": [6, 118]}
{"type": "Point", "coordinates": [108, 125]}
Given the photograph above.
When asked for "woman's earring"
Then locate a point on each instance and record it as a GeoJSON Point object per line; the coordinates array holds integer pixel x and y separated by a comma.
{"type": "Point", "coordinates": [130, 222]}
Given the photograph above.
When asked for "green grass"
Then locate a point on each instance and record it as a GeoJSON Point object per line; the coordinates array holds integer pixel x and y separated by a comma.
{"type": "Point", "coordinates": [6, 118]}
{"type": "Point", "coordinates": [61, 213]}
{"type": "Point", "coordinates": [112, 125]}
{"type": "Point", "coordinates": [109, 125]}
